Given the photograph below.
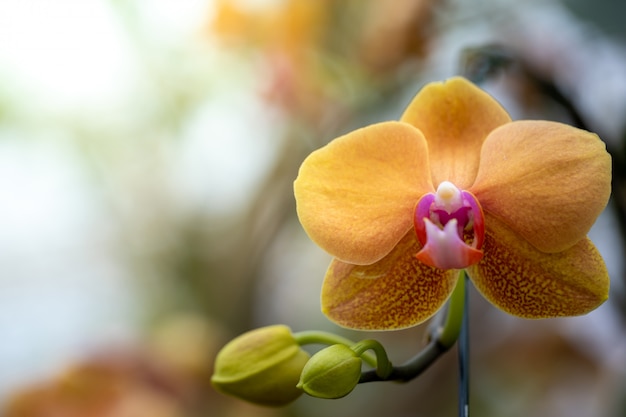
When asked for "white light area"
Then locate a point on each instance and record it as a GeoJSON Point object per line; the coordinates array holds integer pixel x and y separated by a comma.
{"type": "Point", "coordinates": [37, 197]}
{"type": "Point", "coordinates": [62, 291]}
{"type": "Point", "coordinates": [65, 53]}
{"type": "Point", "coordinates": [58, 282]}
{"type": "Point", "coordinates": [226, 148]}
{"type": "Point", "coordinates": [172, 20]}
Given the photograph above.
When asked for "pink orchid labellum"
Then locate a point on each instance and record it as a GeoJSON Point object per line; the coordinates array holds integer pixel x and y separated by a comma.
{"type": "Point", "coordinates": [455, 184]}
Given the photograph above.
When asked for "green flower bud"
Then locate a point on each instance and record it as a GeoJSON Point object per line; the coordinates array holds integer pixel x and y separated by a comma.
{"type": "Point", "coordinates": [261, 366]}
{"type": "Point", "coordinates": [332, 372]}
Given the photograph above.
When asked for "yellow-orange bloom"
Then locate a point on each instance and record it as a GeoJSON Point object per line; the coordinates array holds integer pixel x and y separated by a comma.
{"type": "Point", "coordinates": [460, 185]}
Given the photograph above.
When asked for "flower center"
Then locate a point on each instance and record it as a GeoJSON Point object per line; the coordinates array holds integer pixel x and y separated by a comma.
{"type": "Point", "coordinates": [451, 228]}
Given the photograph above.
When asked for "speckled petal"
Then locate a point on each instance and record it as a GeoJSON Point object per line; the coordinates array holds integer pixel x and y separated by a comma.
{"type": "Point", "coordinates": [455, 116]}
{"type": "Point", "coordinates": [355, 197]}
{"type": "Point", "coordinates": [397, 292]}
{"type": "Point", "coordinates": [547, 181]}
{"type": "Point", "coordinates": [525, 282]}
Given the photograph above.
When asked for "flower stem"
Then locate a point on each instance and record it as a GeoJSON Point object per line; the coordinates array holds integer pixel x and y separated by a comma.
{"type": "Point", "coordinates": [311, 337]}
{"type": "Point", "coordinates": [454, 319]}
{"type": "Point", "coordinates": [384, 366]}
{"type": "Point", "coordinates": [464, 341]}
{"type": "Point", "coordinates": [442, 338]}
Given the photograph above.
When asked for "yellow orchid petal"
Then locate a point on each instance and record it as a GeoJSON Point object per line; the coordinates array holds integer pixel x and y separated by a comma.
{"type": "Point", "coordinates": [525, 282]}
{"type": "Point", "coordinates": [546, 180]}
{"type": "Point", "coordinates": [455, 117]}
{"type": "Point", "coordinates": [355, 197]}
{"type": "Point", "coordinates": [397, 292]}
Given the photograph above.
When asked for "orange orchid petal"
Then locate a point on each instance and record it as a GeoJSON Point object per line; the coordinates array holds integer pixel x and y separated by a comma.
{"type": "Point", "coordinates": [455, 117]}
{"type": "Point", "coordinates": [525, 282]}
{"type": "Point", "coordinates": [355, 196]}
{"type": "Point", "coordinates": [547, 181]}
{"type": "Point", "coordinates": [397, 292]}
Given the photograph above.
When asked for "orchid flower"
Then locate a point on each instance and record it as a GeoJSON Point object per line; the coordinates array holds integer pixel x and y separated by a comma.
{"type": "Point", "coordinates": [403, 206]}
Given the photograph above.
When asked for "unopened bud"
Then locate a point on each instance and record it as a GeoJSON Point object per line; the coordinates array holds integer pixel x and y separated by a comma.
{"type": "Point", "coordinates": [332, 372]}
{"type": "Point", "coordinates": [262, 366]}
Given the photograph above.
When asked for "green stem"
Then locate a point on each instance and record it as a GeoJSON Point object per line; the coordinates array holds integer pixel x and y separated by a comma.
{"type": "Point", "coordinates": [442, 338]}
{"type": "Point", "coordinates": [454, 319]}
{"type": "Point", "coordinates": [464, 342]}
{"type": "Point", "coordinates": [384, 366]}
{"type": "Point", "coordinates": [311, 337]}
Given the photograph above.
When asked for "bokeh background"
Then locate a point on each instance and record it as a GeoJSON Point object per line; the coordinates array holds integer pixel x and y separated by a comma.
{"type": "Point", "coordinates": [147, 154]}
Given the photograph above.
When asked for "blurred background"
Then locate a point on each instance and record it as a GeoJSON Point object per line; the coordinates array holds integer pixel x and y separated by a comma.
{"type": "Point", "coordinates": [147, 154]}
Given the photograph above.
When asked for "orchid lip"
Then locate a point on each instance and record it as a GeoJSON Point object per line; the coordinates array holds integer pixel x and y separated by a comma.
{"type": "Point", "coordinates": [450, 226]}
{"type": "Point", "coordinates": [445, 249]}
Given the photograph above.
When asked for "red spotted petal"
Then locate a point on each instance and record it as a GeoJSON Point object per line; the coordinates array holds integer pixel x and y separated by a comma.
{"type": "Point", "coordinates": [525, 282]}
{"type": "Point", "coordinates": [397, 292]}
